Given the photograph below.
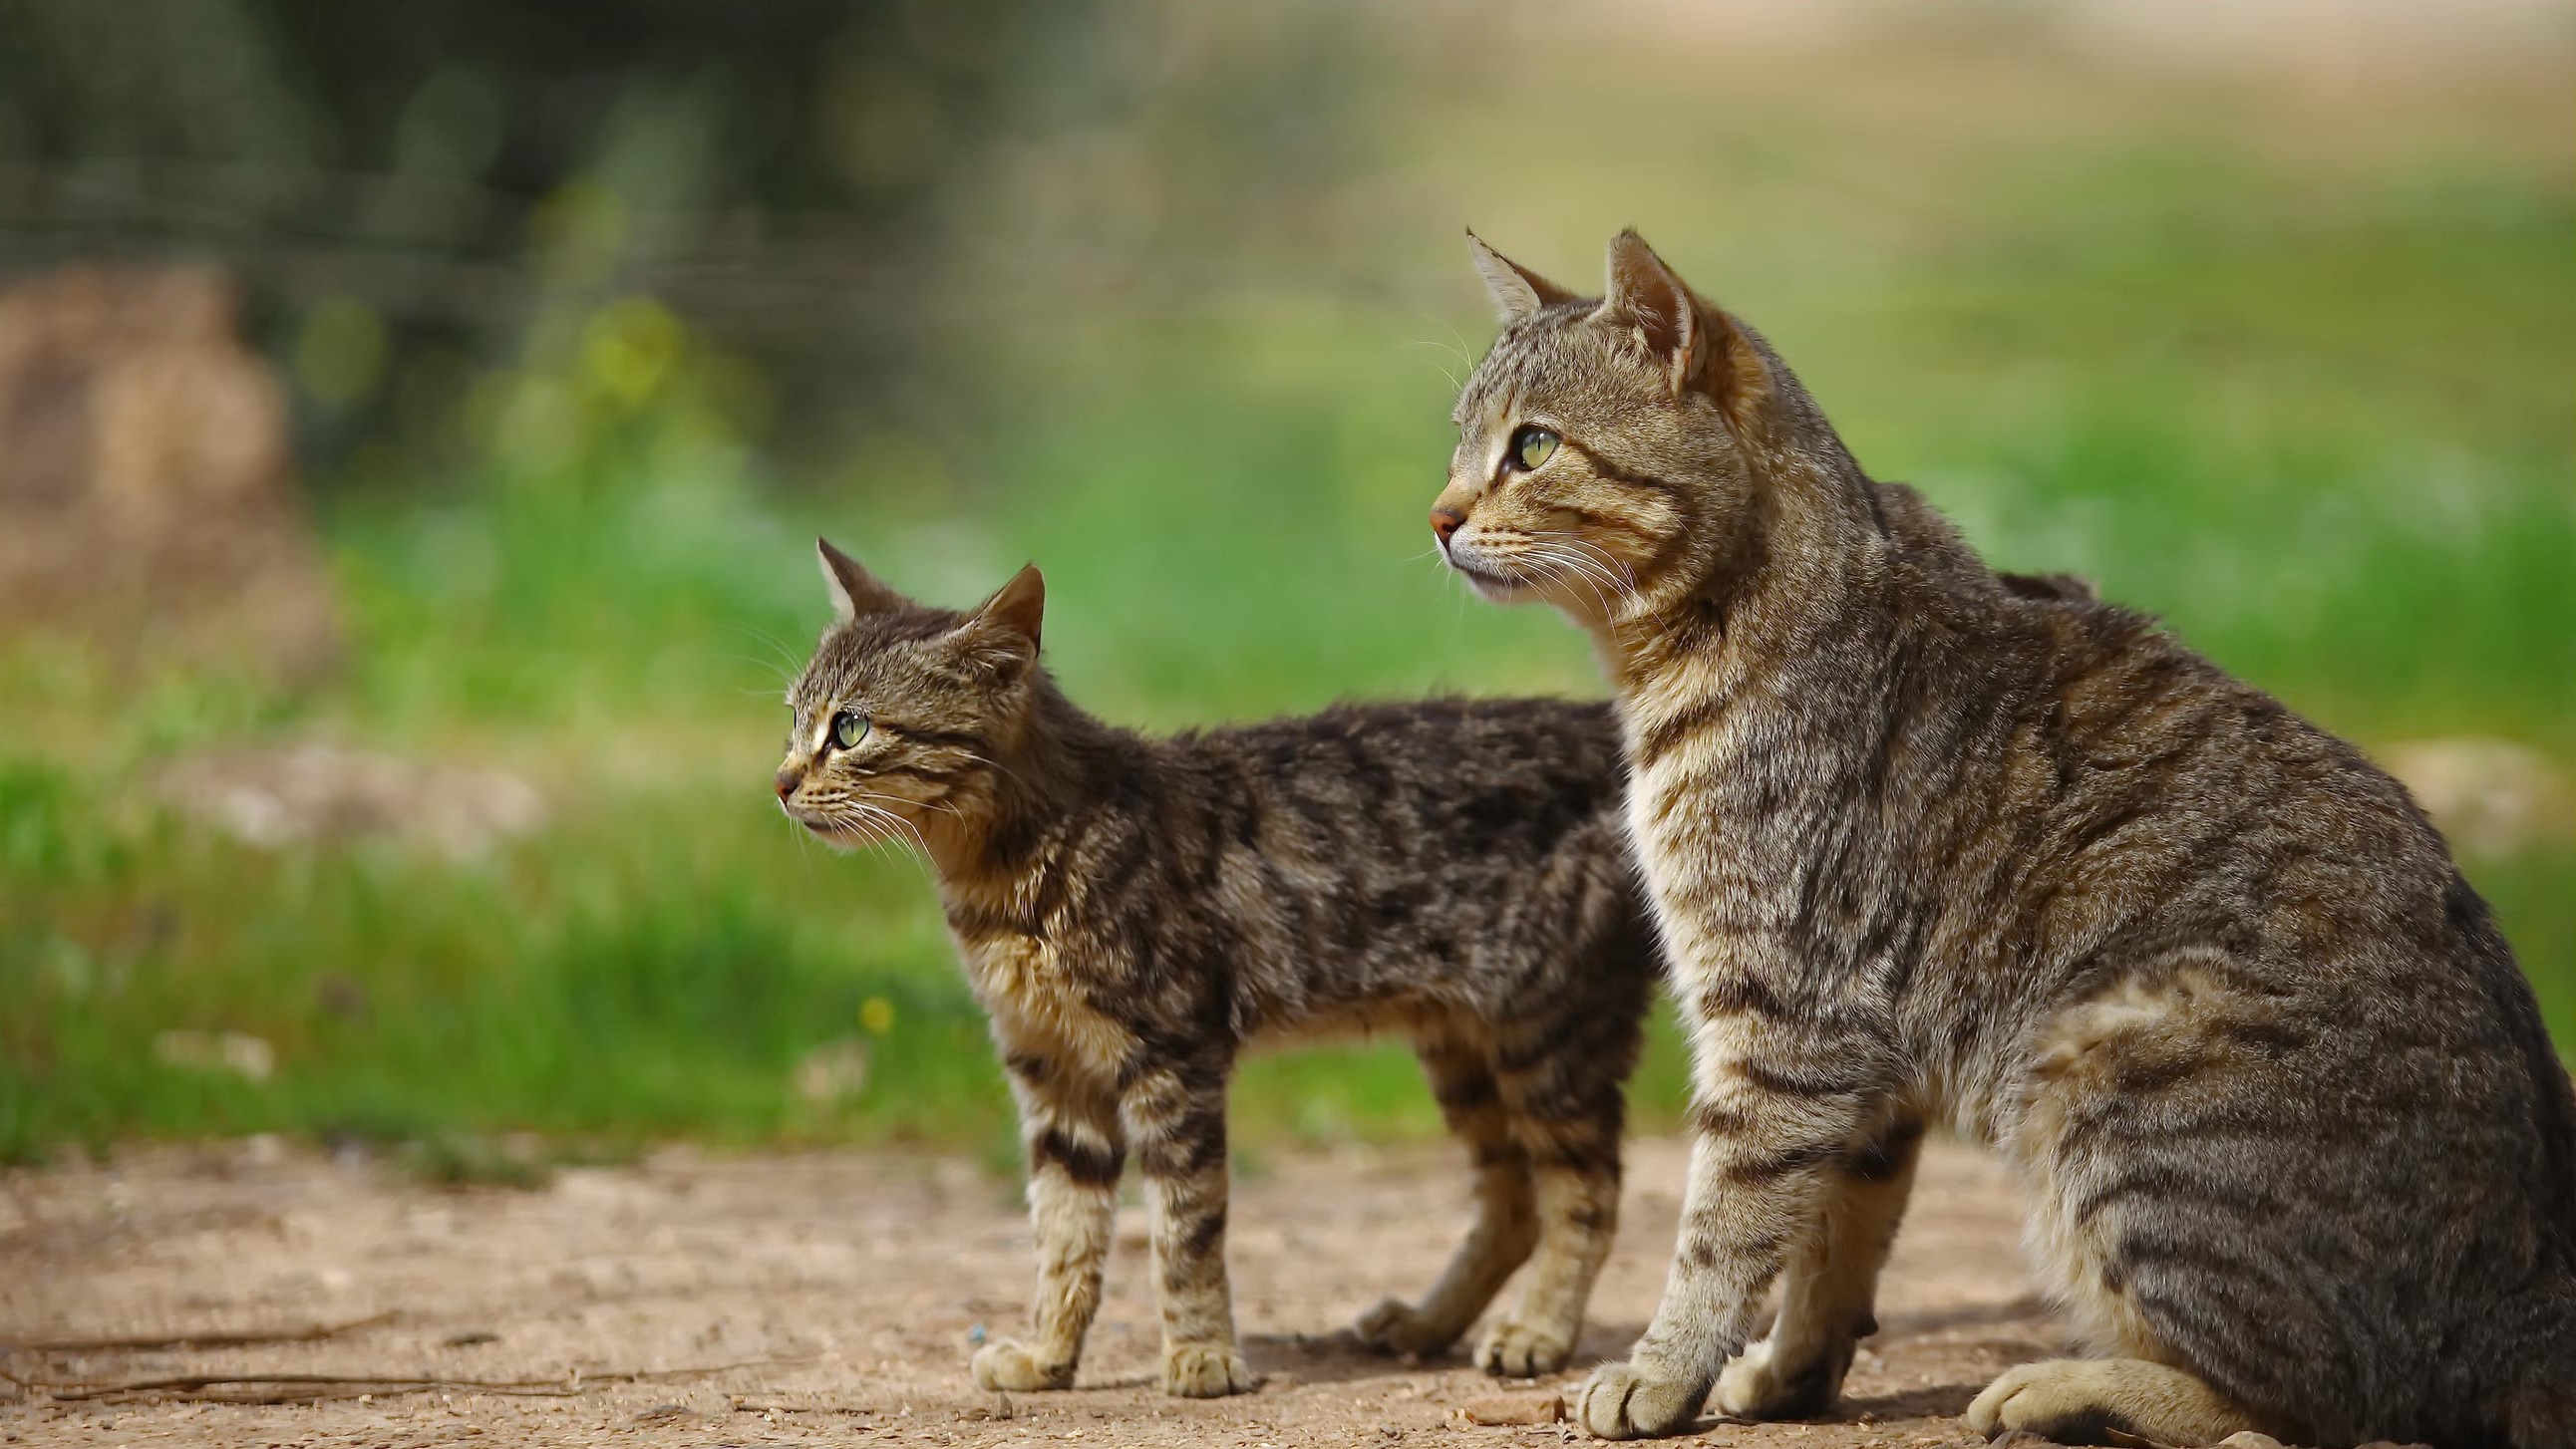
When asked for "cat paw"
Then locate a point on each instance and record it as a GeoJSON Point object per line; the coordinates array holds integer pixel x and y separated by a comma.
{"type": "Point", "coordinates": [1004, 1365]}
{"type": "Point", "coordinates": [1756, 1387]}
{"type": "Point", "coordinates": [1520, 1351]}
{"type": "Point", "coordinates": [2083, 1401]}
{"type": "Point", "coordinates": [1205, 1371]}
{"type": "Point", "coordinates": [1395, 1327]}
{"type": "Point", "coordinates": [1623, 1401]}
{"type": "Point", "coordinates": [2047, 1399]}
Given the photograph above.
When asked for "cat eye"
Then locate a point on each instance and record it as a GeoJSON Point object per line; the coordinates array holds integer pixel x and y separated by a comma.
{"type": "Point", "coordinates": [848, 728]}
{"type": "Point", "coordinates": [1531, 448]}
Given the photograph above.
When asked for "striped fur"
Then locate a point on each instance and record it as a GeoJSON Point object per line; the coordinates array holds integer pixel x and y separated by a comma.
{"type": "Point", "coordinates": [1925, 847]}
{"type": "Point", "coordinates": [1134, 912]}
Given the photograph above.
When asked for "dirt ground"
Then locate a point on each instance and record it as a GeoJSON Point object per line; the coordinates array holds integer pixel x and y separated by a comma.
{"type": "Point", "coordinates": [833, 1297]}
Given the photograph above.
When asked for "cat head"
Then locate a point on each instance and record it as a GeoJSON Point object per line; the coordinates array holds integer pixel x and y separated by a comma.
{"type": "Point", "coordinates": [904, 708]}
{"type": "Point", "coordinates": [1615, 452]}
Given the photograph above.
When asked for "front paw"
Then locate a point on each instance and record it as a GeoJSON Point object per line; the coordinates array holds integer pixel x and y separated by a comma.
{"type": "Point", "coordinates": [1514, 1350]}
{"type": "Point", "coordinates": [1003, 1365]}
{"type": "Point", "coordinates": [1623, 1401]}
{"type": "Point", "coordinates": [1395, 1327]}
{"type": "Point", "coordinates": [1757, 1387]}
{"type": "Point", "coordinates": [1205, 1371]}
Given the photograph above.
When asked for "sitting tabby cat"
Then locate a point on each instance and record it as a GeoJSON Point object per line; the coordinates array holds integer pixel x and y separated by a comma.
{"type": "Point", "coordinates": [2299, 1155]}
{"type": "Point", "coordinates": [1132, 912]}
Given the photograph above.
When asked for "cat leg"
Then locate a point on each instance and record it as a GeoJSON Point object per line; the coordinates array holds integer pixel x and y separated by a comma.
{"type": "Point", "coordinates": [2106, 1401]}
{"type": "Point", "coordinates": [1176, 1118]}
{"type": "Point", "coordinates": [1506, 1226]}
{"type": "Point", "coordinates": [1777, 1101]}
{"type": "Point", "coordinates": [2540, 1409]}
{"type": "Point", "coordinates": [1071, 1129]}
{"type": "Point", "coordinates": [2155, 1216]}
{"type": "Point", "coordinates": [1830, 1285]}
{"type": "Point", "coordinates": [1568, 1112]}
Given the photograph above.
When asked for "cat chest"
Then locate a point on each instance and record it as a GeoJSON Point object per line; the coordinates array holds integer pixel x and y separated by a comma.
{"type": "Point", "coordinates": [1041, 1002]}
{"type": "Point", "coordinates": [1716, 867]}
{"type": "Point", "coordinates": [1685, 828]}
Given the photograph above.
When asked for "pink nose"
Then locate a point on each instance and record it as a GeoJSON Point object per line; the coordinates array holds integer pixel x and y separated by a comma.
{"type": "Point", "coordinates": [1445, 523]}
{"type": "Point", "coordinates": [788, 780]}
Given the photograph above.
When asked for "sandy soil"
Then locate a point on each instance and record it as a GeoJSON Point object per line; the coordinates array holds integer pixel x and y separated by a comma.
{"type": "Point", "coordinates": [834, 1296]}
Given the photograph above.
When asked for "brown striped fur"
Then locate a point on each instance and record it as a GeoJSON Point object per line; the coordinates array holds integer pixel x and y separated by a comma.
{"type": "Point", "coordinates": [2299, 1155]}
{"type": "Point", "coordinates": [1134, 912]}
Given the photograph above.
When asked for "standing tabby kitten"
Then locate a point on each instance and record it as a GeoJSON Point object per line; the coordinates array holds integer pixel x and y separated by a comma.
{"type": "Point", "coordinates": [1132, 912]}
{"type": "Point", "coordinates": [2298, 1153]}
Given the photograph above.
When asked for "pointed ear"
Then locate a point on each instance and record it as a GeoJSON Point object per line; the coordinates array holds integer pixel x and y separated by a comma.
{"type": "Point", "coordinates": [1701, 347]}
{"type": "Point", "coordinates": [1517, 290]}
{"type": "Point", "coordinates": [855, 591]}
{"type": "Point", "coordinates": [1650, 297]}
{"type": "Point", "coordinates": [1003, 631]}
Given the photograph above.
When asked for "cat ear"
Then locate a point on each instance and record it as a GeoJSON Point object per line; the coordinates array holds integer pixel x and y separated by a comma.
{"type": "Point", "coordinates": [1701, 347]}
{"type": "Point", "coordinates": [1517, 290]}
{"type": "Point", "coordinates": [855, 591]}
{"type": "Point", "coordinates": [1648, 296]}
{"type": "Point", "coordinates": [1003, 632]}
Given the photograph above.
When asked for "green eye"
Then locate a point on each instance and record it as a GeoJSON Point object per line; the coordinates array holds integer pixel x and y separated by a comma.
{"type": "Point", "coordinates": [1532, 447]}
{"type": "Point", "coordinates": [848, 728]}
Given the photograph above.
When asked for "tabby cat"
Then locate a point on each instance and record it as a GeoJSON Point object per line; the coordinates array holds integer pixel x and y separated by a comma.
{"type": "Point", "coordinates": [1132, 912]}
{"type": "Point", "coordinates": [2299, 1156]}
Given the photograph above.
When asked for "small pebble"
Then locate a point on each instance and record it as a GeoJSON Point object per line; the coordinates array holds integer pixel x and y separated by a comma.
{"type": "Point", "coordinates": [1514, 1409]}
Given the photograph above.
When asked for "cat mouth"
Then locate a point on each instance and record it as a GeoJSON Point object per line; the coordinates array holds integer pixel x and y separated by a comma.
{"type": "Point", "coordinates": [831, 832]}
{"type": "Point", "coordinates": [844, 838]}
{"type": "Point", "coordinates": [1491, 583]}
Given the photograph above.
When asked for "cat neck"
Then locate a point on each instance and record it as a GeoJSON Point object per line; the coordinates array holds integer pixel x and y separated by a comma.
{"type": "Point", "coordinates": [1055, 766]}
{"type": "Point", "coordinates": [1806, 570]}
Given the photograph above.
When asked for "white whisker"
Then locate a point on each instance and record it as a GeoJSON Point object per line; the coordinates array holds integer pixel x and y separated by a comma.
{"type": "Point", "coordinates": [1627, 576]}
{"type": "Point", "coordinates": [1553, 567]}
{"type": "Point", "coordinates": [787, 663]}
{"type": "Point", "coordinates": [1454, 382]}
{"type": "Point", "coordinates": [1466, 355]}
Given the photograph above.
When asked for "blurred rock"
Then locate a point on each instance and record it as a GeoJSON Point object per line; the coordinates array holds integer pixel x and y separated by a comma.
{"type": "Point", "coordinates": [146, 482]}
{"type": "Point", "coordinates": [834, 1072]}
{"type": "Point", "coordinates": [2489, 796]}
{"type": "Point", "coordinates": [341, 996]}
{"type": "Point", "coordinates": [231, 1051]}
{"type": "Point", "coordinates": [1513, 1409]}
{"type": "Point", "coordinates": [321, 793]}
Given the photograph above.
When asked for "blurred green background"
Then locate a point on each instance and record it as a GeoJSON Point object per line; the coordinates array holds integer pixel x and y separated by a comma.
{"type": "Point", "coordinates": [589, 317]}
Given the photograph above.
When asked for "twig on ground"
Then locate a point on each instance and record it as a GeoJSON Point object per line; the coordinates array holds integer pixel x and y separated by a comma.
{"type": "Point", "coordinates": [312, 1333]}
{"type": "Point", "coordinates": [313, 1388]}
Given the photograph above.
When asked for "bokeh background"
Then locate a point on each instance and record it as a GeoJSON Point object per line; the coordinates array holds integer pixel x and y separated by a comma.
{"type": "Point", "coordinates": [414, 421]}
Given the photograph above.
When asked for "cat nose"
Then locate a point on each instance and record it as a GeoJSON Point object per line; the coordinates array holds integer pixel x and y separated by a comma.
{"type": "Point", "coordinates": [1445, 523]}
{"type": "Point", "coordinates": [788, 780]}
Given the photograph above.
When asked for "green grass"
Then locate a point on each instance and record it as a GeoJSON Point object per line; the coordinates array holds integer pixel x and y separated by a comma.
{"type": "Point", "coordinates": [2313, 400]}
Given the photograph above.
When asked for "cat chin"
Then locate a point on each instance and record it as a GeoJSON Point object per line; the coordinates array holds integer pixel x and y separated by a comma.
{"type": "Point", "coordinates": [839, 837]}
{"type": "Point", "coordinates": [1493, 588]}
